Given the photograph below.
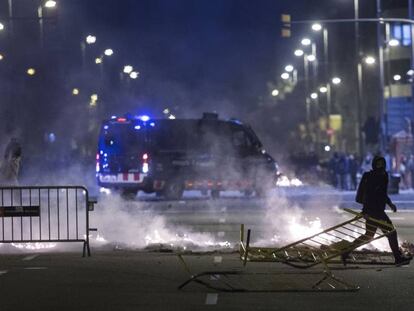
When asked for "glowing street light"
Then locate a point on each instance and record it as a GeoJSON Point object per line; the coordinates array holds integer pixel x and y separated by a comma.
{"type": "Point", "coordinates": [336, 80]}
{"type": "Point", "coordinates": [306, 41]}
{"type": "Point", "coordinates": [31, 71]}
{"type": "Point", "coordinates": [128, 69]}
{"type": "Point", "coordinates": [316, 27]}
{"type": "Point", "coordinates": [108, 52]}
{"type": "Point", "coordinates": [396, 77]}
{"type": "Point", "coordinates": [1, 26]}
{"type": "Point", "coordinates": [311, 58]}
{"type": "Point", "coordinates": [298, 52]}
{"type": "Point", "coordinates": [370, 60]}
{"type": "Point", "coordinates": [289, 68]}
{"type": "Point", "coordinates": [94, 100]}
{"type": "Point", "coordinates": [393, 42]}
{"type": "Point", "coordinates": [323, 89]}
{"type": "Point", "coordinates": [275, 92]}
{"type": "Point", "coordinates": [98, 60]}
{"type": "Point", "coordinates": [75, 91]}
{"type": "Point", "coordinates": [90, 39]}
{"type": "Point", "coordinates": [171, 117]}
{"type": "Point", "coordinates": [410, 72]}
{"type": "Point", "coordinates": [314, 95]}
{"type": "Point", "coordinates": [50, 4]}
{"type": "Point", "coordinates": [166, 111]}
{"type": "Point", "coordinates": [1, 57]}
{"type": "Point", "coordinates": [133, 75]}
{"type": "Point", "coordinates": [284, 76]}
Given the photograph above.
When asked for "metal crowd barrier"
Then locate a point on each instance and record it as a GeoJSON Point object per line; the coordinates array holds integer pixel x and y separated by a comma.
{"type": "Point", "coordinates": [36, 214]}
{"type": "Point", "coordinates": [321, 248]}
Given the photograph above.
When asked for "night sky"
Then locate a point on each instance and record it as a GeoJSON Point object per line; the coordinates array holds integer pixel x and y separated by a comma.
{"type": "Point", "coordinates": [193, 56]}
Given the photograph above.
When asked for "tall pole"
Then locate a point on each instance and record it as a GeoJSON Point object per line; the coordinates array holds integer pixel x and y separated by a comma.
{"type": "Point", "coordinates": [325, 53]}
{"type": "Point", "coordinates": [381, 107]}
{"type": "Point", "coordinates": [307, 103]}
{"type": "Point", "coordinates": [411, 16]}
{"type": "Point", "coordinates": [40, 18]}
{"type": "Point", "coordinates": [359, 117]}
{"type": "Point", "coordinates": [358, 65]}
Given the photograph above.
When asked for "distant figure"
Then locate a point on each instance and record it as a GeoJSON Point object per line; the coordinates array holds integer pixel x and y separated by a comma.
{"type": "Point", "coordinates": [353, 171]}
{"type": "Point", "coordinates": [372, 194]}
{"type": "Point", "coordinates": [9, 170]}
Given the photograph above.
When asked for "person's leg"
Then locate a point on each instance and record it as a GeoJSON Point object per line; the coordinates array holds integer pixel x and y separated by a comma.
{"type": "Point", "coordinates": [392, 237]}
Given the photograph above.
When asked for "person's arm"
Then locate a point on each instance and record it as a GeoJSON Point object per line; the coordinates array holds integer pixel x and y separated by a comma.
{"type": "Point", "coordinates": [360, 195]}
{"type": "Point", "coordinates": [387, 198]}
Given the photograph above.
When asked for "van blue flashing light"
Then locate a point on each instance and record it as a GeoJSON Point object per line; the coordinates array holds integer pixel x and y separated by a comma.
{"type": "Point", "coordinates": [144, 118]}
{"type": "Point", "coordinates": [152, 124]}
{"type": "Point", "coordinates": [137, 127]}
{"type": "Point", "coordinates": [113, 117]}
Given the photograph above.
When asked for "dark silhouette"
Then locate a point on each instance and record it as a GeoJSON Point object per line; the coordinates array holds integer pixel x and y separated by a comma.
{"type": "Point", "coordinates": [372, 194]}
{"type": "Point", "coordinates": [9, 169]}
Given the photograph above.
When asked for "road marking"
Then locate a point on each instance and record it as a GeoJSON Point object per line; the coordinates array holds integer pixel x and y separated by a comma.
{"type": "Point", "coordinates": [222, 220]}
{"type": "Point", "coordinates": [397, 218]}
{"type": "Point", "coordinates": [31, 257]}
{"type": "Point", "coordinates": [218, 259]}
{"type": "Point", "coordinates": [215, 277]}
{"type": "Point", "coordinates": [35, 268]}
{"type": "Point", "coordinates": [3, 272]}
{"type": "Point", "coordinates": [221, 234]}
{"type": "Point", "coordinates": [211, 299]}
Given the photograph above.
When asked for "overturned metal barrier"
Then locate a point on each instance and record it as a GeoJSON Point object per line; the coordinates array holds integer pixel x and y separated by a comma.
{"type": "Point", "coordinates": [322, 248]}
{"type": "Point", "coordinates": [45, 214]}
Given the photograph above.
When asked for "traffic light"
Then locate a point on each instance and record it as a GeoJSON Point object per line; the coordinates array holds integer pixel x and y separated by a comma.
{"type": "Point", "coordinates": [285, 18]}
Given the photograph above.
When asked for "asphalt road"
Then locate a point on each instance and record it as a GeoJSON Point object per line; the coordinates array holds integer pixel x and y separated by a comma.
{"type": "Point", "coordinates": [137, 267]}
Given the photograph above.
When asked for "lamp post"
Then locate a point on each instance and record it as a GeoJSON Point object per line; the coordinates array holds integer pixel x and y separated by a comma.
{"type": "Point", "coordinates": [50, 4]}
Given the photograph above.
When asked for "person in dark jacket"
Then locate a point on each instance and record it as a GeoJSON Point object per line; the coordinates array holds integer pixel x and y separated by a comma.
{"type": "Point", "coordinates": [372, 194]}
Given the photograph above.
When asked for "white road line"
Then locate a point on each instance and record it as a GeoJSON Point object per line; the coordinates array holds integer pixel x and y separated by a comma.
{"type": "Point", "coordinates": [30, 257]}
{"type": "Point", "coordinates": [35, 268]}
{"type": "Point", "coordinates": [222, 220]}
{"type": "Point", "coordinates": [211, 299]}
{"type": "Point", "coordinates": [397, 218]}
{"type": "Point", "coordinates": [215, 277]}
{"type": "Point", "coordinates": [3, 272]}
{"type": "Point", "coordinates": [221, 234]}
{"type": "Point", "coordinates": [218, 259]}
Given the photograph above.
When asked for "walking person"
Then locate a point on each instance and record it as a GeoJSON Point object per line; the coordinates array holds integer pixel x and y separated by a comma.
{"type": "Point", "coordinates": [9, 170]}
{"type": "Point", "coordinates": [372, 194]}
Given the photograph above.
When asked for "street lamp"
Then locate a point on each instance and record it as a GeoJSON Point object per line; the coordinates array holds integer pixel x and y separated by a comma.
{"type": "Point", "coordinates": [396, 77]}
{"type": "Point", "coordinates": [410, 72]}
{"type": "Point", "coordinates": [306, 41]}
{"type": "Point", "coordinates": [50, 4]}
{"type": "Point", "coordinates": [75, 91]}
{"type": "Point", "coordinates": [316, 27]}
{"type": "Point", "coordinates": [90, 39]}
{"type": "Point", "coordinates": [1, 26]}
{"type": "Point", "coordinates": [128, 69]}
{"type": "Point", "coordinates": [275, 92]}
{"type": "Point", "coordinates": [98, 60]}
{"type": "Point", "coordinates": [1, 56]}
{"type": "Point", "coordinates": [393, 42]}
{"type": "Point", "coordinates": [314, 95]}
{"type": "Point", "coordinates": [31, 71]}
{"type": "Point", "coordinates": [284, 76]}
{"type": "Point", "coordinates": [298, 53]}
{"type": "Point", "coordinates": [108, 52]}
{"type": "Point", "coordinates": [289, 68]}
{"type": "Point", "coordinates": [133, 75]}
{"type": "Point", "coordinates": [336, 80]}
{"type": "Point", "coordinates": [311, 57]}
{"type": "Point", "coordinates": [370, 60]}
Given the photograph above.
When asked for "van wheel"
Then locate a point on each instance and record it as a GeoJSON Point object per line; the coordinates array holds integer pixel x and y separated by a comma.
{"type": "Point", "coordinates": [129, 194]}
{"type": "Point", "coordinates": [173, 190]}
{"type": "Point", "coordinates": [215, 194]}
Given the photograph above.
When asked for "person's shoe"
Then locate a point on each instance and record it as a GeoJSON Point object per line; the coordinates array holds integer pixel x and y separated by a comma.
{"type": "Point", "coordinates": [403, 260]}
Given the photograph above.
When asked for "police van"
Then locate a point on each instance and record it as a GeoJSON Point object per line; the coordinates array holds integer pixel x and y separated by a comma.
{"type": "Point", "coordinates": [170, 156]}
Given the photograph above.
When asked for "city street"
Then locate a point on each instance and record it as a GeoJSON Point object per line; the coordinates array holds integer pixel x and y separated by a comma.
{"type": "Point", "coordinates": [122, 276]}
